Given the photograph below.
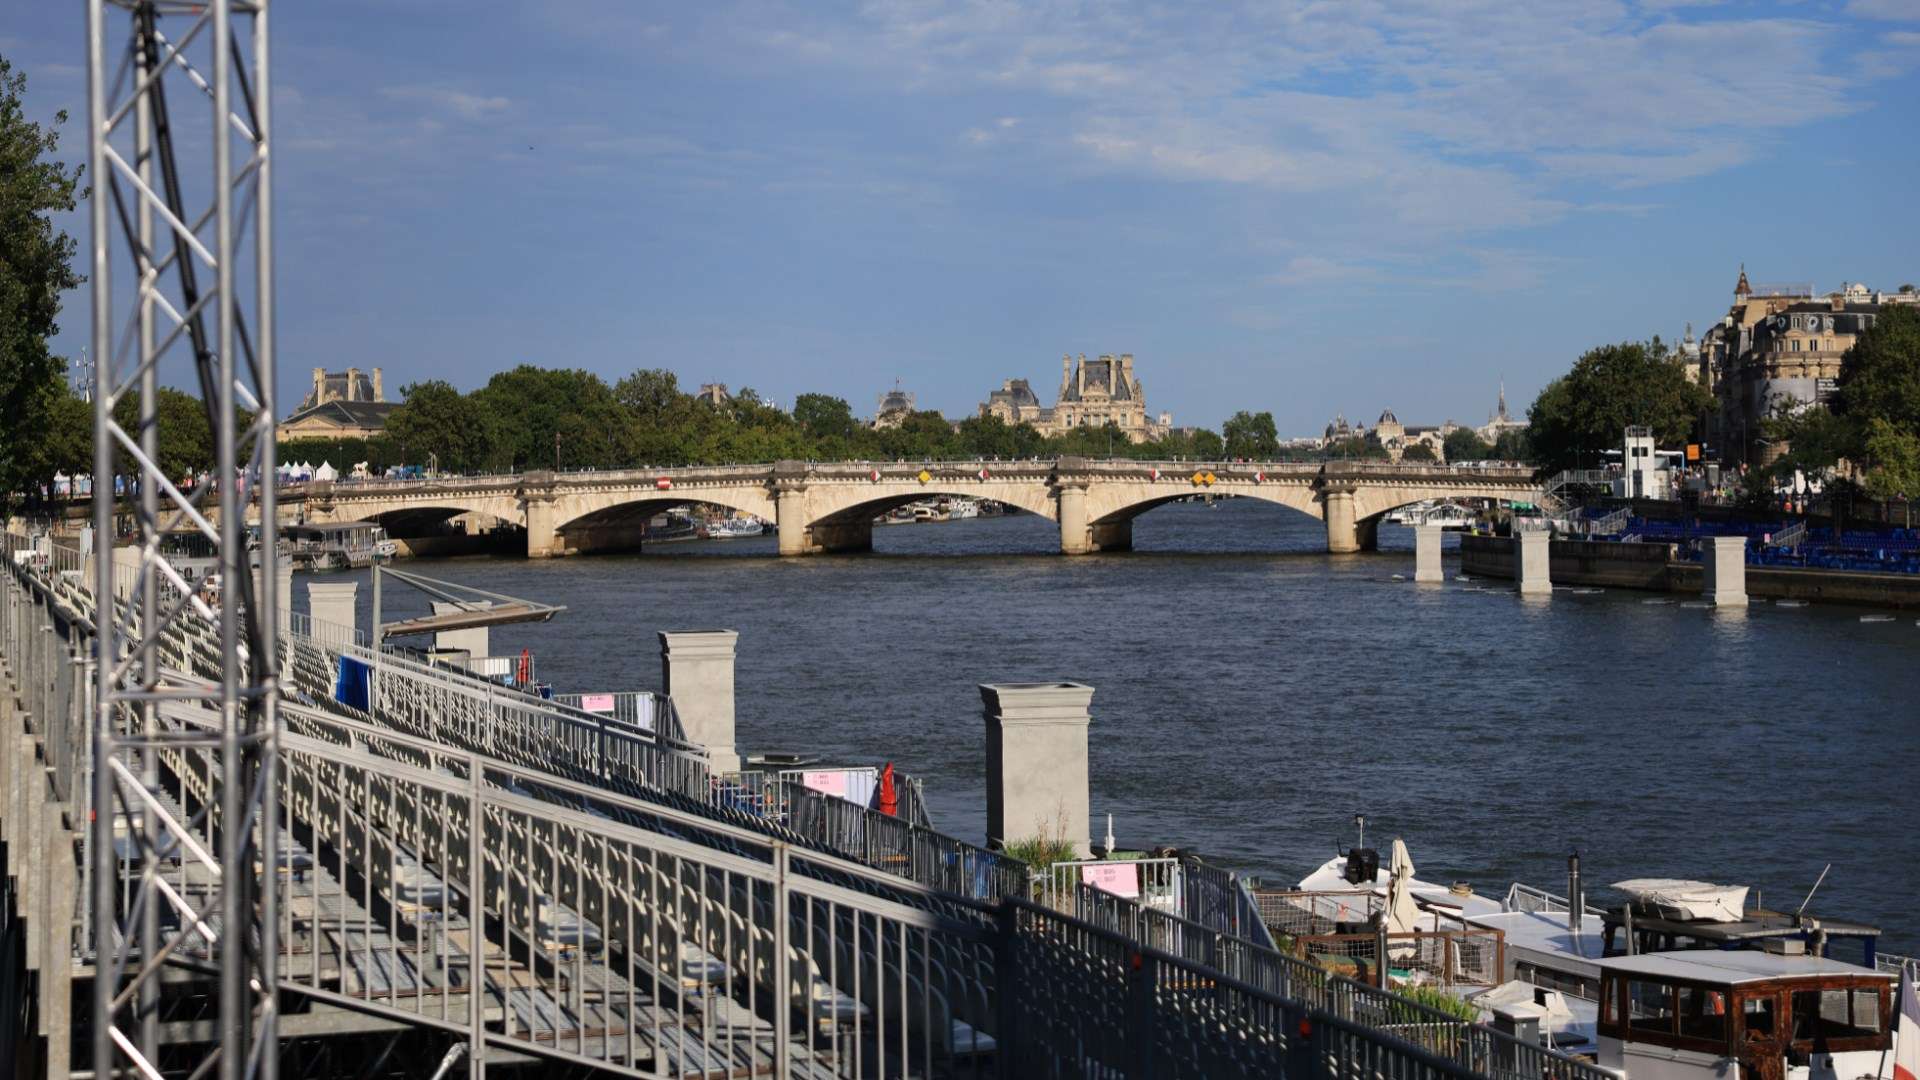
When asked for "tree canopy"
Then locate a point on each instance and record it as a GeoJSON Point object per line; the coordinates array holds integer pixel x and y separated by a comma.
{"type": "Point", "coordinates": [1588, 409]}
{"type": "Point", "coordinates": [1463, 444]}
{"type": "Point", "coordinates": [35, 268]}
{"type": "Point", "coordinates": [1250, 435]}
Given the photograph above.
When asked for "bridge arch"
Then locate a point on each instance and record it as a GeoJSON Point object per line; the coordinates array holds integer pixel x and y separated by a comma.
{"type": "Point", "coordinates": [619, 525]}
{"type": "Point", "coordinates": [837, 516]}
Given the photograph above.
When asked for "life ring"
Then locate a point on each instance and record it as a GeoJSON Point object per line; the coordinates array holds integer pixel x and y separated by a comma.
{"type": "Point", "coordinates": [526, 667]}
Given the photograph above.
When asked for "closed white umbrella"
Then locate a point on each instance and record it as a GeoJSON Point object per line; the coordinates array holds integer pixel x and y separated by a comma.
{"type": "Point", "coordinates": [1402, 914]}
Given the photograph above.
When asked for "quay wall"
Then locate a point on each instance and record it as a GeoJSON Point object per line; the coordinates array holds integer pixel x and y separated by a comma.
{"type": "Point", "coordinates": [1650, 566]}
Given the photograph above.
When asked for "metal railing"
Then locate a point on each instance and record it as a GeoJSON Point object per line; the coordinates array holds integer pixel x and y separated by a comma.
{"type": "Point", "coordinates": [1523, 897]}
{"type": "Point", "coordinates": [513, 907]}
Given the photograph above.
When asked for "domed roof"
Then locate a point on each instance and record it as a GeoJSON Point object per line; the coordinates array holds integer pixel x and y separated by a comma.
{"type": "Point", "coordinates": [1387, 417]}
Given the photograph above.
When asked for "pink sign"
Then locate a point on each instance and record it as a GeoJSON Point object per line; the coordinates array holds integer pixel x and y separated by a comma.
{"type": "Point", "coordinates": [826, 783]}
{"type": "Point", "coordinates": [1120, 879]}
{"type": "Point", "coordinates": [596, 702]}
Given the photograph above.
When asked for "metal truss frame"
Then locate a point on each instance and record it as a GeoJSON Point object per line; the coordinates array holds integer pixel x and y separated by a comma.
{"type": "Point", "coordinates": [199, 248]}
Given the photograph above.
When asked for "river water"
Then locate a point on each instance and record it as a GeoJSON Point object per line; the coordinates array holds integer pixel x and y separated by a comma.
{"type": "Point", "coordinates": [1253, 693]}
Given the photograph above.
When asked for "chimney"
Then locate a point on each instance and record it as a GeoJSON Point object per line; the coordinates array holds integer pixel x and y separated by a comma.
{"type": "Point", "coordinates": [1066, 373]}
{"type": "Point", "coordinates": [319, 385]}
{"type": "Point", "coordinates": [353, 384]}
{"type": "Point", "coordinates": [379, 391]}
{"type": "Point", "coordinates": [1081, 386]}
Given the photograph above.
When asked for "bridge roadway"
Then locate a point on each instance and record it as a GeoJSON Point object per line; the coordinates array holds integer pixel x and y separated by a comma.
{"type": "Point", "coordinates": [830, 507]}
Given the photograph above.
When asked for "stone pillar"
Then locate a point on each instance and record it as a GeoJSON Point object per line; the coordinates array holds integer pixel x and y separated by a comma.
{"type": "Point", "coordinates": [1343, 535]}
{"type": "Point", "coordinates": [1111, 535]}
{"type": "Point", "coordinates": [696, 668]}
{"type": "Point", "coordinates": [1726, 571]}
{"type": "Point", "coordinates": [542, 541]}
{"type": "Point", "coordinates": [1075, 536]}
{"type": "Point", "coordinates": [790, 517]}
{"type": "Point", "coordinates": [331, 605]}
{"type": "Point", "coordinates": [1037, 762]}
{"type": "Point", "coordinates": [1532, 557]}
{"type": "Point", "coordinates": [283, 599]}
{"type": "Point", "coordinates": [1426, 554]}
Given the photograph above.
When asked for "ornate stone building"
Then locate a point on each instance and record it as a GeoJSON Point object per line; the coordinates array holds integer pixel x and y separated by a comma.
{"type": "Point", "coordinates": [1093, 393]}
{"type": "Point", "coordinates": [340, 405]}
{"type": "Point", "coordinates": [1778, 349]}
{"type": "Point", "coordinates": [893, 408]}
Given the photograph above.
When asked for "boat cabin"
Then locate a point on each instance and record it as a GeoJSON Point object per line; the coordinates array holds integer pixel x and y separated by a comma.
{"type": "Point", "coordinates": [1639, 928]}
{"type": "Point", "coordinates": [1690, 1015]}
{"type": "Point", "coordinates": [338, 546]}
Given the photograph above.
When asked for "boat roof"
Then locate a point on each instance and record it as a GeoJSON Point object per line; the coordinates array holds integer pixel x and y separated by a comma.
{"type": "Point", "coordinates": [1758, 923]}
{"type": "Point", "coordinates": [1732, 966]}
{"type": "Point", "coordinates": [1545, 932]}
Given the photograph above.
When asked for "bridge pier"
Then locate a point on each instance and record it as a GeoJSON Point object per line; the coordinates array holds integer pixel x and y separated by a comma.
{"type": "Point", "coordinates": [1426, 554]}
{"type": "Point", "coordinates": [1075, 536]}
{"type": "Point", "coordinates": [790, 519]}
{"type": "Point", "coordinates": [543, 541]}
{"type": "Point", "coordinates": [1345, 533]}
{"type": "Point", "coordinates": [837, 537]}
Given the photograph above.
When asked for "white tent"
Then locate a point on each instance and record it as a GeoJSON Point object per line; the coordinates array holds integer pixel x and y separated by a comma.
{"type": "Point", "coordinates": [326, 472]}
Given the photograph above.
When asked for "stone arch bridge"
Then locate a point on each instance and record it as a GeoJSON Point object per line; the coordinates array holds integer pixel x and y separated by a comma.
{"type": "Point", "coordinates": [830, 507]}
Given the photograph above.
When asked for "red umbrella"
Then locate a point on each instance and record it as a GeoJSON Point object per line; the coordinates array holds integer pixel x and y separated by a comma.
{"type": "Point", "coordinates": [889, 797]}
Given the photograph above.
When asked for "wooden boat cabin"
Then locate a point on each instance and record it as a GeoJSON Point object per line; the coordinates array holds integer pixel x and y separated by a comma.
{"type": "Point", "coordinates": [1744, 1013]}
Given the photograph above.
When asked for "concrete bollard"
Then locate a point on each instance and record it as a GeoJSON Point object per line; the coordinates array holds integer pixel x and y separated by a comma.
{"type": "Point", "coordinates": [1037, 762]}
{"type": "Point", "coordinates": [1532, 559]}
{"type": "Point", "coordinates": [283, 583]}
{"type": "Point", "coordinates": [331, 606]}
{"type": "Point", "coordinates": [1725, 568]}
{"type": "Point", "coordinates": [696, 668]}
{"type": "Point", "coordinates": [1426, 554]}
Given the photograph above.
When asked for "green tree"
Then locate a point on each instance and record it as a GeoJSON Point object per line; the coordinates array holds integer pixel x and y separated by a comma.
{"type": "Point", "coordinates": [1512, 445]}
{"type": "Point", "coordinates": [436, 422]}
{"type": "Point", "coordinates": [1418, 452]}
{"type": "Point", "coordinates": [1464, 444]}
{"type": "Point", "coordinates": [1356, 447]}
{"type": "Point", "coordinates": [822, 416]}
{"type": "Point", "coordinates": [1880, 374]}
{"type": "Point", "coordinates": [1589, 409]}
{"type": "Point", "coordinates": [529, 406]}
{"type": "Point", "coordinates": [35, 268]}
{"type": "Point", "coordinates": [1250, 435]}
{"type": "Point", "coordinates": [186, 436]}
{"type": "Point", "coordinates": [1893, 455]}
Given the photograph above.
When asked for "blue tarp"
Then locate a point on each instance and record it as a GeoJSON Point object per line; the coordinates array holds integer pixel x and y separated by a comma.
{"type": "Point", "coordinates": [351, 686]}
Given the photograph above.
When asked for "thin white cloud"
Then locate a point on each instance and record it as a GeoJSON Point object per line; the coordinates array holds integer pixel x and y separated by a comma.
{"type": "Point", "coordinates": [458, 102]}
{"type": "Point", "coordinates": [1886, 10]}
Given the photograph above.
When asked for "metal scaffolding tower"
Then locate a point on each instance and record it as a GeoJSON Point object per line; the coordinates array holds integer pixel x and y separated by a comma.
{"type": "Point", "coordinates": [168, 80]}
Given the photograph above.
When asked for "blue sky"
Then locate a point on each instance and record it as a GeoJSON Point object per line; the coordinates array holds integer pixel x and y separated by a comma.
{"type": "Point", "coordinates": [1301, 207]}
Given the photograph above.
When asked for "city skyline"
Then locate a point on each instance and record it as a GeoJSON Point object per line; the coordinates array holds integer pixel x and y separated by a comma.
{"type": "Point", "coordinates": [1315, 212]}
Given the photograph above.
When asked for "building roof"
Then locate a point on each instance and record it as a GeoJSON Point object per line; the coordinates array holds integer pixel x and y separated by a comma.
{"type": "Point", "coordinates": [1387, 417]}
{"type": "Point", "coordinates": [359, 414]}
{"type": "Point", "coordinates": [335, 385]}
{"type": "Point", "coordinates": [1103, 375]}
{"type": "Point", "coordinates": [1017, 392]}
{"type": "Point", "coordinates": [1730, 966]}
